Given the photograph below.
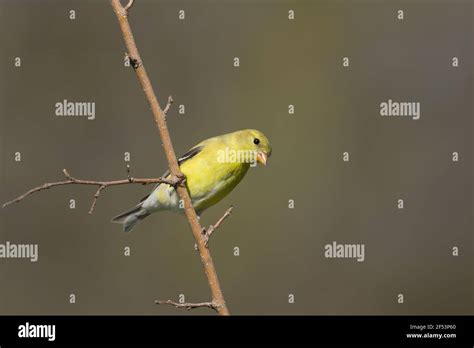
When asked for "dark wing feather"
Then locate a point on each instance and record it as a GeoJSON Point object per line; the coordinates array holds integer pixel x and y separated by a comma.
{"type": "Point", "coordinates": [188, 155]}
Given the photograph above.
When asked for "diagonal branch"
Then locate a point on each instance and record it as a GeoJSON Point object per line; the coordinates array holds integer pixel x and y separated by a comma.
{"type": "Point", "coordinates": [160, 120]}
{"type": "Point", "coordinates": [176, 178]}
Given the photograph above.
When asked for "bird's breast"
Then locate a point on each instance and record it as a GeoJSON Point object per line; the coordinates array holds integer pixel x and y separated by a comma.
{"type": "Point", "coordinates": [208, 183]}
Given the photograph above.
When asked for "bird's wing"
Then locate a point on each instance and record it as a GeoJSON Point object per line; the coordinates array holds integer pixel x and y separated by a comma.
{"type": "Point", "coordinates": [188, 155]}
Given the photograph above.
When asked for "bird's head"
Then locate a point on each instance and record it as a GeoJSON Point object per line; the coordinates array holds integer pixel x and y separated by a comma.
{"type": "Point", "coordinates": [256, 141]}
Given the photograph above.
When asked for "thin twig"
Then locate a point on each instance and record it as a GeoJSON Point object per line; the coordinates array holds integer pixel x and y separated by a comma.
{"type": "Point", "coordinates": [160, 121]}
{"type": "Point", "coordinates": [174, 181]}
{"type": "Point", "coordinates": [96, 196]}
{"type": "Point", "coordinates": [128, 6]}
{"type": "Point", "coordinates": [214, 227]}
{"type": "Point", "coordinates": [206, 233]}
{"type": "Point", "coordinates": [189, 305]}
{"type": "Point", "coordinates": [168, 105]}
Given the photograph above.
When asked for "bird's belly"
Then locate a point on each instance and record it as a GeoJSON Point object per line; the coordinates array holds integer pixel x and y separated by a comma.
{"type": "Point", "coordinates": [206, 187]}
{"type": "Point", "coordinates": [164, 197]}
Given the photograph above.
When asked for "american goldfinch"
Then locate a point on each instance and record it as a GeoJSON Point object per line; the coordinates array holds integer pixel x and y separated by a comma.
{"type": "Point", "coordinates": [212, 169]}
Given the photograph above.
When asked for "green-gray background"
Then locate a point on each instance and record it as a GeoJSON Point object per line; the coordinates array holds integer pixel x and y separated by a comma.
{"type": "Point", "coordinates": [283, 62]}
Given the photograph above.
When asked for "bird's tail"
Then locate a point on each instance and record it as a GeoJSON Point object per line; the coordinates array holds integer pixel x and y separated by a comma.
{"type": "Point", "coordinates": [131, 217]}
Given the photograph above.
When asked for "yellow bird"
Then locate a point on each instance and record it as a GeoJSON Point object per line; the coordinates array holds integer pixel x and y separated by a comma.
{"type": "Point", "coordinates": [212, 169]}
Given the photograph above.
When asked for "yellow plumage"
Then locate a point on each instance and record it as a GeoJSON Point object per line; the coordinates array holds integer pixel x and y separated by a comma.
{"type": "Point", "coordinates": [212, 168]}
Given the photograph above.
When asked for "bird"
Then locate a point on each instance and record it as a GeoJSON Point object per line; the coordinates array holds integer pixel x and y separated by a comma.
{"type": "Point", "coordinates": [213, 168]}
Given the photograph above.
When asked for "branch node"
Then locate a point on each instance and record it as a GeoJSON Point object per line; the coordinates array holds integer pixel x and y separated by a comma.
{"type": "Point", "coordinates": [129, 175]}
{"type": "Point", "coordinates": [178, 180]}
{"type": "Point", "coordinates": [127, 7]}
{"type": "Point", "coordinates": [67, 175]}
{"type": "Point", "coordinates": [135, 63]}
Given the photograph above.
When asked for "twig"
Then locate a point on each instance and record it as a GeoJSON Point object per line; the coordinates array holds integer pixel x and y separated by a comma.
{"type": "Point", "coordinates": [96, 196]}
{"type": "Point", "coordinates": [214, 227]}
{"type": "Point", "coordinates": [168, 105]}
{"type": "Point", "coordinates": [128, 6]}
{"type": "Point", "coordinates": [174, 181]}
{"type": "Point", "coordinates": [189, 305]}
{"type": "Point", "coordinates": [206, 233]}
{"type": "Point", "coordinates": [160, 121]}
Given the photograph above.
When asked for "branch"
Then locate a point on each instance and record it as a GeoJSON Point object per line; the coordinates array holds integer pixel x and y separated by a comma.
{"type": "Point", "coordinates": [96, 196]}
{"type": "Point", "coordinates": [206, 233]}
{"type": "Point", "coordinates": [160, 122]}
{"type": "Point", "coordinates": [128, 6]}
{"type": "Point", "coordinates": [101, 184]}
{"type": "Point", "coordinates": [188, 305]}
{"type": "Point", "coordinates": [214, 227]}
{"type": "Point", "coordinates": [168, 105]}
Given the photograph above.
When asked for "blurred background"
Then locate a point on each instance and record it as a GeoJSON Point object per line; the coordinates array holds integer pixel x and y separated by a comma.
{"type": "Point", "coordinates": [282, 62]}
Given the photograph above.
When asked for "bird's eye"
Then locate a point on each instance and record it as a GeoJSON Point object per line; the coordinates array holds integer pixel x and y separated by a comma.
{"type": "Point", "coordinates": [256, 141]}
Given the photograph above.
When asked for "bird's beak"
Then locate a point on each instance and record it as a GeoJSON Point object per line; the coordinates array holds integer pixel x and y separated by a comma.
{"type": "Point", "coordinates": [262, 158]}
